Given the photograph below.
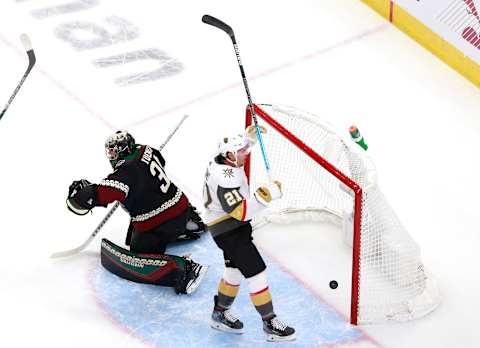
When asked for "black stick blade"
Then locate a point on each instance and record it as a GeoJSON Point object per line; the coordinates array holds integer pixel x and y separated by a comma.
{"type": "Point", "coordinates": [31, 60]}
{"type": "Point", "coordinates": [219, 24]}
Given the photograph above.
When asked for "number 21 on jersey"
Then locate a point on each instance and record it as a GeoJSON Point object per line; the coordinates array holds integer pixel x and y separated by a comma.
{"type": "Point", "coordinates": [232, 197]}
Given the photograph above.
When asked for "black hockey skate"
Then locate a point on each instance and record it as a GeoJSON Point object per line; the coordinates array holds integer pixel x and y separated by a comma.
{"type": "Point", "coordinates": [278, 331]}
{"type": "Point", "coordinates": [189, 282]}
{"type": "Point", "coordinates": [223, 320]}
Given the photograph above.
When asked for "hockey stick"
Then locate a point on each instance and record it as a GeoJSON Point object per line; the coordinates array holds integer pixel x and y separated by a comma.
{"type": "Point", "coordinates": [112, 210]}
{"type": "Point", "coordinates": [226, 28]}
{"type": "Point", "coordinates": [31, 62]}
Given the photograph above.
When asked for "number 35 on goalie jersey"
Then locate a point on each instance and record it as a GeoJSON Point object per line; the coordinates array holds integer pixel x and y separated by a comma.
{"type": "Point", "coordinates": [224, 190]}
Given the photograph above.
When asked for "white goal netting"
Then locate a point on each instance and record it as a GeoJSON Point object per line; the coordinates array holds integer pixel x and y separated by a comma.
{"type": "Point", "coordinates": [392, 281]}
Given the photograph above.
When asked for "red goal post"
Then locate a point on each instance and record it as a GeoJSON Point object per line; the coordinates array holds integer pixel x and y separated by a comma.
{"type": "Point", "coordinates": [334, 179]}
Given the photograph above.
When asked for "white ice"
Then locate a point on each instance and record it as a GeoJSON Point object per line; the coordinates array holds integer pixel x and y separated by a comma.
{"type": "Point", "coordinates": [335, 58]}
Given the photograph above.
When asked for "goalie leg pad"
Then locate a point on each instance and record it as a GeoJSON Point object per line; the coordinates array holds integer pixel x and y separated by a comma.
{"type": "Point", "coordinates": [164, 270]}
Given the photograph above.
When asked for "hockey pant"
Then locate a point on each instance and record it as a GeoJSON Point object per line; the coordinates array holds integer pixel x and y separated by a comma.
{"type": "Point", "coordinates": [240, 252]}
{"type": "Point", "coordinates": [177, 229]}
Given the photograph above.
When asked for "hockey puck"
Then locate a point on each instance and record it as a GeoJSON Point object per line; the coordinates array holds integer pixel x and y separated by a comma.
{"type": "Point", "coordinates": [333, 284]}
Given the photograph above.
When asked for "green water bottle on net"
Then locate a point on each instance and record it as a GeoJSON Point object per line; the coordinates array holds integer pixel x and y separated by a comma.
{"type": "Point", "coordinates": [357, 137]}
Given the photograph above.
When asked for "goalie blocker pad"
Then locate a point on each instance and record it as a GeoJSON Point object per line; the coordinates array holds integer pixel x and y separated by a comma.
{"type": "Point", "coordinates": [164, 270]}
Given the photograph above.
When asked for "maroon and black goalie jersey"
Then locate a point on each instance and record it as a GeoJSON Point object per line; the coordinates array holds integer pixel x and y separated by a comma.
{"type": "Point", "coordinates": [144, 189]}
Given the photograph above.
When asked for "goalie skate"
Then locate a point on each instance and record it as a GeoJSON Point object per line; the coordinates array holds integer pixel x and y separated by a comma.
{"type": "Point", "coordinates": [195, 277]}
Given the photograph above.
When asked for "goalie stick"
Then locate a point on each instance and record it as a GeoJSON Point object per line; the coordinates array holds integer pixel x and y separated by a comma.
{"type": "Point", "coordinates": [27, 44]}
{"type": "Point", "coordinates": [111, 211]}
{"type": "Point", "coordinates": [226, 28]}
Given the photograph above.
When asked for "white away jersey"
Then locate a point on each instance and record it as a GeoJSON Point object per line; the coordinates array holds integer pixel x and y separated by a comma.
{"type": "Point", "coordinates": [225, 188]}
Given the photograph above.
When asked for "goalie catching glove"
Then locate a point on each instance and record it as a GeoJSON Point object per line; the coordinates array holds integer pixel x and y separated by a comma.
{"type": "Point", "coordinates": [81, 197]}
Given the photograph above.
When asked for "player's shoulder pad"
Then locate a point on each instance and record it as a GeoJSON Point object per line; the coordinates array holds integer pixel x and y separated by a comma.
{"type": "Point", "coordinates": [122, 173]}
{"type": "Point", "coordinates": [226, 176]}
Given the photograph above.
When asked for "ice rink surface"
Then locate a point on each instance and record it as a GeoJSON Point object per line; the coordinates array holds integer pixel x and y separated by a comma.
{"type": "Point", "coordinates": [104, 65]}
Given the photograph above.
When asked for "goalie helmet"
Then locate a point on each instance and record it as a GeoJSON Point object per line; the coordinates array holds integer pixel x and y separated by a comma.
{"type": "Point", "coordinates": [119, 145]}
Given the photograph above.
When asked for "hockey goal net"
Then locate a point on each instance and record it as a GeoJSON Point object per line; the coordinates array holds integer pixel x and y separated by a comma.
{"type": "Point", "coordinates": [329, 177]}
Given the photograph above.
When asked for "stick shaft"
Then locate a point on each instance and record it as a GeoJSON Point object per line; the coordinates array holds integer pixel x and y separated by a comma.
{"type": "Point", "coordinates": [31, 63]}
{"type": "Point", "coordinates": [226, 28]}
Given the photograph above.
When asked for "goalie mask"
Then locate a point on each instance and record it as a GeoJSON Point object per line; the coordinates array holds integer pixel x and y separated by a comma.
{"type": "Point", "coordinates": [238, 146]}
{"type": "Point", "coordinates": [118, 146]}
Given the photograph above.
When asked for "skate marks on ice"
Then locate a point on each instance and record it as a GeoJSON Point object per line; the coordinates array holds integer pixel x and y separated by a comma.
{"type": "Point", "coordinates": [160, 318]}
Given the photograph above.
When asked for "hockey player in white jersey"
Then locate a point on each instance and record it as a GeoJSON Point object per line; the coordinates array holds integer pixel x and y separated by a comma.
{"type": "Point", "coordinates": [229, 209]}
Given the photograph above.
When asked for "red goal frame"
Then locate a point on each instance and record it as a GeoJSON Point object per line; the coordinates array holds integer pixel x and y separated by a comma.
{"type": "Point", "coordinates": [340, 176]}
